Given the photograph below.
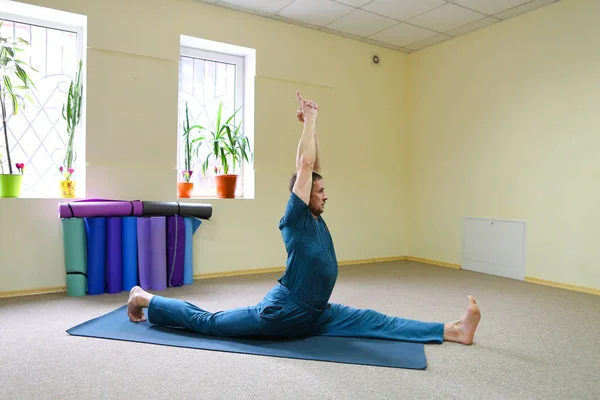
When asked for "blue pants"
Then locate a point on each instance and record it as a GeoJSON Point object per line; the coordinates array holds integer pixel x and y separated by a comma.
{"type": "Point", "coordinates": [280, 316]}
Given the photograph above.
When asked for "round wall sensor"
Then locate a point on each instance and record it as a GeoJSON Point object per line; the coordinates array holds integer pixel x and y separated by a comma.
{"type": "Point", "coordinates": [376, 59]}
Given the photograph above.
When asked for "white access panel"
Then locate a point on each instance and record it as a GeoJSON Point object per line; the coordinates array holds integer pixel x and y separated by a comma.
{"type": "Point", "coordinates": [495, 247]}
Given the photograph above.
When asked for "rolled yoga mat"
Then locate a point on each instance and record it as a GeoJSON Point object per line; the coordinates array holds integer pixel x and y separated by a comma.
{"type": "Point", "coordinates": [96, 254]}
{"type": "Point", "coordinates": [75, 249]}
{"type": "Point", "coordinates": [158, 252]}
{"type": "Point", "coordinates": [122, 208]}
{"type": "Point", "coordinates": [175, 250]}
{"type": "Point", "coordinates": [151, 208]}
{"type": "Point", "coordinates": [129, 252]}
{"type": "Point", "coordinates": [384, 353]}
{"type": "Point", "coordinates": [191, 225]}
{"type": "Point", "coordinates": [144, 248]}
{"type": "Point", "coordinates": [99, 208]}
{"type": "Point", "coordinates": [114, 255]}
{"type": "Point", "coordinates": [152, 252]}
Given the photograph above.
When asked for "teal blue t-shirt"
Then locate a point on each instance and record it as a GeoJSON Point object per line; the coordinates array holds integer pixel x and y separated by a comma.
{"type": "Point", "coordinates": [311, 268]}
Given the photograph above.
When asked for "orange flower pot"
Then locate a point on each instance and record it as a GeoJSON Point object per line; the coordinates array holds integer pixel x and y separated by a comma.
{"type": "Point", "coordinates": [185, 189]}
{"type": "Point", "coordinates": [226, 185]}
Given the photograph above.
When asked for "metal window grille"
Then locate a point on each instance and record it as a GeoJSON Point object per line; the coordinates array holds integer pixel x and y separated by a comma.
{"type": "Point", "coordinates": [37, 134]}
{"type": "Point", "coordinates": [205, 80]}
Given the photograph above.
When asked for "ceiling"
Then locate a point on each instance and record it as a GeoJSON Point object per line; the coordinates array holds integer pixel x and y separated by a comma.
{"type": "Point", "coordinates": [405, 25]}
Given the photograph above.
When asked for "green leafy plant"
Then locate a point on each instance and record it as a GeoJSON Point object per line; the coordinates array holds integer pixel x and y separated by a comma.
{"type": "Point", "coordinates": [190, 144]}
{"type": "Point", "coordinates": [228, 146]}
{"type": "Point", "coordinates": [71, 113]}
{"type": "Point", "coordinates": [14, 83]}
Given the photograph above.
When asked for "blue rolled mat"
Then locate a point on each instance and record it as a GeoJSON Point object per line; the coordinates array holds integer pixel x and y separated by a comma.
{"type": "Point", "coordinates": [129, 252]}
{"type": "Point", "coordinates": [114, 256]}
{"type": "Point", "coordinates": [191, 225]}
{"type": "Point", "coordinates": [384, 353]}
{"type": "Point", "coordinates": [96, 254]}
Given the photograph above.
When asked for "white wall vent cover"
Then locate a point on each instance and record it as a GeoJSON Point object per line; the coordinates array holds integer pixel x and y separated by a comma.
{"type": "Point", "coordinates": [494, 246]}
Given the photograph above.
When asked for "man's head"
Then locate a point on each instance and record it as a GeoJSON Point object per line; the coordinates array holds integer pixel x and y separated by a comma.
{"type": "Point", "coordinates": [317, 193]}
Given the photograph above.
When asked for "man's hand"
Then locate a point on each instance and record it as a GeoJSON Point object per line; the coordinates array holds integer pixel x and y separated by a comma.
{"type": "Point", "coordinates": [308, 108]}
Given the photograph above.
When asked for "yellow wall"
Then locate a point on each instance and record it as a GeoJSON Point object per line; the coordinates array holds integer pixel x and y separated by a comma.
{"type": "Point", "coordinates": [499, 123]}
{"type": "Point", "coordinates": [133, 50]}
{"type": "Point", "coordinates": [505, 123]}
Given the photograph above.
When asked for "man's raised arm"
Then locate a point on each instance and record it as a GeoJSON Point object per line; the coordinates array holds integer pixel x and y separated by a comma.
{"type": "Point", "coordinates": [306, 156]}
{"type": "Point", "coordinates": [317, 166]}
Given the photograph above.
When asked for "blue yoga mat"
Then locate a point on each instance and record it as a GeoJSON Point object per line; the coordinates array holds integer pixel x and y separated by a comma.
{"type": "Point", "coordinates": [129, 249]}
{"type": "Point", "coordinates": [96, 254]}
{"type": "Point", "coordinates": [384, 353]}
{"type": "Point", "coordinates": [191, 225]}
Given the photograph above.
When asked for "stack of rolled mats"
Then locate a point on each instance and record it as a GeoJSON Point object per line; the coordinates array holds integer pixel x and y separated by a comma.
{"type": "Point", "coordinates": [113, 245]}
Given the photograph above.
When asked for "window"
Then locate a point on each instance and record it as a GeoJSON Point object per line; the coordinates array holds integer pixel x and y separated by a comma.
{"type": "Point", "coordinates": [37, 135]}
{"type": "Point", "coordinates": [210, 75]}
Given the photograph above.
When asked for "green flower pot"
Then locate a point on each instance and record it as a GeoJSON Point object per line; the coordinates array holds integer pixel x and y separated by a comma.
{"type": "Point", "coordinates": [10, 185]}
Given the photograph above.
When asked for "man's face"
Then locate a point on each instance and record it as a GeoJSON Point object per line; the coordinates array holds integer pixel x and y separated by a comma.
{"type": "Point", "coordinates": [317, 198]}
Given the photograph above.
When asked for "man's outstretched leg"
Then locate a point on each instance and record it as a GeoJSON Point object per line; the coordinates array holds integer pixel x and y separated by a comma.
{"type": "Point", "coordinates": [253, 321]}
{"type": "Point", "coordinates": [342, 320]}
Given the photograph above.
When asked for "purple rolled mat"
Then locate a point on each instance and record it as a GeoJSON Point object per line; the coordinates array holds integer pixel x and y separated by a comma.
{"type": "Point", "coordinates": [175, 250]}
{"type": "Point", "coordinates": [114, 256]}
{"type": "Point", "coordinates": [158, 253]}
{"type": "Point", "coordinates": [144, 235]}
{"type": "Point", "coordinates": [99, 208]}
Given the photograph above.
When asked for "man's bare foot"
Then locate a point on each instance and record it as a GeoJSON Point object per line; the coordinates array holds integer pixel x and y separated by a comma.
{"type": "Point", "coordinates": [138, 300]}
{"type": "Point", "coordinates": [463, 330]}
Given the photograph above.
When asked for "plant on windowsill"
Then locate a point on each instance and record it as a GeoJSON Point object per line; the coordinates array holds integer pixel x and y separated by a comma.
{"type": "Point", "coordinates": [228, 147]}
{"type": "Point", "coordinates": [71, 113]}
{"type": "Point", "coordinates": [11, 187]}
{"type": "Point", "coordinates": [185, 188]}
{"type": "Point", "coordinates": [14, 85]}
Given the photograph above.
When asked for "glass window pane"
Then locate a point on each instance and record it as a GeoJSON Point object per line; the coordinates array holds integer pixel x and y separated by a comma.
{"type": "Point", "coordinates": [204, 83]}
{"type": "Point", "coordinates": [37, 134]}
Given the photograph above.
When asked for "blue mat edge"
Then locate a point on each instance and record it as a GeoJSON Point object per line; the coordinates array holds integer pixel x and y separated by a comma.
{"type": "Point", "coordinates": [122, 309]}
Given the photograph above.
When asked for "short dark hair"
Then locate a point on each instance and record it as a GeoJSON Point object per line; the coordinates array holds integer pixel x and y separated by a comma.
{"type": "Point", "coordinates": [315, 177]}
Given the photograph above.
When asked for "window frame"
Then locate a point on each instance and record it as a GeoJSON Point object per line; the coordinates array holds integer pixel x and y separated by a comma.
{"type": "Point", "coordinates": [80, 143]}
{"type": "Point", "coordinates": [240, 99]}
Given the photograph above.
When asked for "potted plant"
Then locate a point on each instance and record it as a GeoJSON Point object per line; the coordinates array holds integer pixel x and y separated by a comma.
{"type": "Point", "coordinates": [185, 188]}
{"type": "Point", "coordinates": [71, 113]}
{"type": "Point", "coordinates": [229, 147]}
{"type": "Point", "coordinates": [10, 184]}
{"type": "Point", "coordinates": [14, 84]}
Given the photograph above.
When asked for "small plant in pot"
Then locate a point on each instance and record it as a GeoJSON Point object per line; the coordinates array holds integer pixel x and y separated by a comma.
{"type": "Point", "coordinates": [71, 113]}
{"type": "Point", "coordinates": [185, 187]}
{"type": "Point", "coordinates": [14, 86]}
{"type": "Point", "coordinates": [229, 148]}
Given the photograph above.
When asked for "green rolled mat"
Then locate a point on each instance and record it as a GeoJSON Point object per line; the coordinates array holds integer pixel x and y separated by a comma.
{"type": "Point", "coordinates": [75, 248]}
{"type": "Point", "coordinates": [76, 285]}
